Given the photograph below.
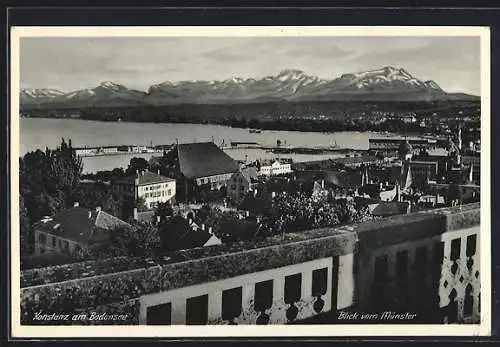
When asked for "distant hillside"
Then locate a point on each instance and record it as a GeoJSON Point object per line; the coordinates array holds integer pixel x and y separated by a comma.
{"type": "Point", "coordinates": [387, 84]}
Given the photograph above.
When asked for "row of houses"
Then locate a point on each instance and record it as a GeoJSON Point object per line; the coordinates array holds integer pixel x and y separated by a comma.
{"type": "Point", "coordinates": [102, 150]}
{"type": "Point", "coordinates": [76, 231]}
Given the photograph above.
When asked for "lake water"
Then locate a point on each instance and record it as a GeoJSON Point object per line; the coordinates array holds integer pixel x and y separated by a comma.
{"type": "Point", "coordinates": [38, 133]}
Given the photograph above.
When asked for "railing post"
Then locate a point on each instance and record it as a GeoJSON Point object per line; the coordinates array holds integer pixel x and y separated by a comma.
{"type": "Point", "coordinates": [179, 311]}
{"type": "Point", "coordinates": [346, 282]}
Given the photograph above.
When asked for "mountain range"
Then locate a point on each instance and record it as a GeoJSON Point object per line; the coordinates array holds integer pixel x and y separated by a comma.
{"type": "Point", "coordinates": [385, 84]}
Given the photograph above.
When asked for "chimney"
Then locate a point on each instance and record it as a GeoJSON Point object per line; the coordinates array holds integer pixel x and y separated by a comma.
{"type": "Point", "coordinates": [258, 219]}
{"type": "Point", "coordinates": [255, 193]}
{"type": "Point", "coordinates": [135, 214]}
{"type": "Point", "coordinates": [247, 213]}
{"type": "Point", "coordinates": [98, 209]}
{"type": "Point", "coordinates": [76, 204]}
{"type": "Point", "coordinates": [203, 227]}
{"type": "Point", "coordinates": [323, 184]}
{"type": "Point", "coordinates": [90, 214]}
{"type": "Point", "coordinates": [136, 173]}
{"type": "Point", "coordinates": [190, 221]}
{"type": "Point", "coordinates": [158, 219]}
{"type": "Point", "coordinates": [273, 194]}
{"type": "Point", "coordinates": [158, 171]}
{"type": "Point", "coordinates": [210, 230]}
{"type": "Point", "coordinates": [381, 185]}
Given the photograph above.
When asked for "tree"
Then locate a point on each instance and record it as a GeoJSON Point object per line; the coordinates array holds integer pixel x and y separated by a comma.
{"type": "Point", "coordinates": [211, 216]}
{"type": "Point", "coordinates": [164, 210]}
{"type": "Point", "coordinates": [137, 164]}
{"type": "Point", "coordinates": [26, 233]}
{"type": "Point", "coordinates": [92, 195]}
{"type": "Point", "coordinates": [140, 239]}
{"type": "Point", "coordinates": [49, 179]}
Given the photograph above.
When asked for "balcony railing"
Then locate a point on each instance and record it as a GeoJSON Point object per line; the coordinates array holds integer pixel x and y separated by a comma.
{"type": "Point", "coordinates": [416, 268]}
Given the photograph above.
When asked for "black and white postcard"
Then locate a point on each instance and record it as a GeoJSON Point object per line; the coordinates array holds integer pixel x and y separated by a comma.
{"type": "Point", "coordinates": [250, 181]}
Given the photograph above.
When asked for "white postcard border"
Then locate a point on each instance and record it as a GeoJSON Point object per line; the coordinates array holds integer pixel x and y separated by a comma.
{"type": "Point", "coordinates": [482, 329]}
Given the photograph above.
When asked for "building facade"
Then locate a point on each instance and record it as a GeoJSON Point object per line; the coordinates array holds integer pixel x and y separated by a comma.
{"type": "Point", "coordinates": [393, 144]}
{"type": "Point", "coordinates": [196, 167]}
{"type": "Point", "coordinates": [274, 168]}
{"type": "Point", "coordinates": [74, 230]}
{"type": "Point", "coordinates": [241, 183]}
{"type": "Point", "coordinates": [151, 187]}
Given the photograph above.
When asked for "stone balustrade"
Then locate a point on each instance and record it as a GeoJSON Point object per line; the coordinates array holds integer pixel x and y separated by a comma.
{"type": "Point", "coordinates": [423, 265]}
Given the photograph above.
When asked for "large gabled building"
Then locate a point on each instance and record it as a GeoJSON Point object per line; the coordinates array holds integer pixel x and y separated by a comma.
{"type": "Point", "coordinates": [198, 166]}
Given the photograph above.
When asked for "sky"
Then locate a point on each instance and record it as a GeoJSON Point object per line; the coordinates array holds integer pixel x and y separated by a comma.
{"type": "Point", "coordinates": [68, 64]}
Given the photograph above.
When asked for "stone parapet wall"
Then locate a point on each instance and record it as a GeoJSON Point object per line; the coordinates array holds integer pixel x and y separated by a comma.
{"type": "Point", "coordinates": [284, 279]}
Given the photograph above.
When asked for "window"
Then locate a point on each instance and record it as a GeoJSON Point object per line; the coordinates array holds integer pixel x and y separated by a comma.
{"type": "Point", "coordinates": [170, 192]}
{"type": "Point", "coordinates": [42, 249]}
{"type": "Point", "coordinates": [231, 303]}
{"type": "Point", "coordinates": [66, 245]}
{"type": "Point", "coordinates": [43, 238]}
{"type": "Point", "coordinates": [53, 241]}
{"type": "Point", "coordinates": [197, 310]}
{"type": "Point", "coordinates": [293, 288]}
{"type": "Point", "coordinates": [455, 249]}
{"type": "Point", "coordinates": [159, 314]}
{"type": "Point", "coordinates": [263, 295]}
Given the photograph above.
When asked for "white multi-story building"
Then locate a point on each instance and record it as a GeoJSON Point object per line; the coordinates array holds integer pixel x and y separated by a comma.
{"type": "Point", "coordinates": [273, 168]}
{"type": "Point", "coordinates": [152, 187]}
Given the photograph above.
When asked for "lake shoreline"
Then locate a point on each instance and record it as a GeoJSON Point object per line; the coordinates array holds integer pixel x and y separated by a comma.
{"type": "Point", "coordinates": [39, 133]}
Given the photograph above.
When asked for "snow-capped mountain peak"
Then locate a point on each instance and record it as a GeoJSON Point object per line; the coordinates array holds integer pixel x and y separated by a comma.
{"type": "Point", "coordinates": [388, 77]}
{"type": "Point", "coordinates": [111, 85]}
{"type": "Point", "coordinates": [291, 74]}
{"type": "Point", "coordinates": [82, 93]}
{"type": "Point", "coordinates": [41, 93]}
{"type": "Point", "coordinates": [288, 84]}
{"type": "Point", "coordinates": [432, 85]}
